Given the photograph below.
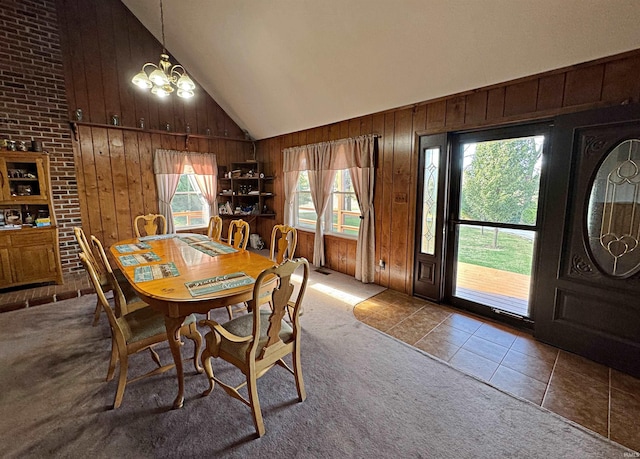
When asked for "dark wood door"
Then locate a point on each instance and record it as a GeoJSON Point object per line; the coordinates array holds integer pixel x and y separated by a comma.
{"type": "Point", "coordinates": [582, 304]}
{"type": "Point", "coordinates": [429, 237]}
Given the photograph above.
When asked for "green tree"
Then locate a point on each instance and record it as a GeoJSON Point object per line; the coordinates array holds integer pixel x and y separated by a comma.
{"type": "Point", "coordinates": [501, 182]}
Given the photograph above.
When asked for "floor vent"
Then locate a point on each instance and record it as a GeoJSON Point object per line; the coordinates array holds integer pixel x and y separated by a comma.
{"type": "Point", "coordinates": [323, 270]}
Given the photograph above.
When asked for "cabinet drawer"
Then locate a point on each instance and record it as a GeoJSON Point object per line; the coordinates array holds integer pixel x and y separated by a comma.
{"type": "Point", "coordinates": [5, 240]}
{"type": "Point", "coordinates": [31, 238]}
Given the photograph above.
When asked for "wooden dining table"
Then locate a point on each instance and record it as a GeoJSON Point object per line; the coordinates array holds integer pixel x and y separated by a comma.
{"type": "Point", "coordinates": [189, 262]}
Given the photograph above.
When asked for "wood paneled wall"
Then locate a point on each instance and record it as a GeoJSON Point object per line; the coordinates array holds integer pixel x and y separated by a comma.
{"type": "Point", "coordinates": [604, 82]}
{"type": "Point", "coordinates": [115, 181]}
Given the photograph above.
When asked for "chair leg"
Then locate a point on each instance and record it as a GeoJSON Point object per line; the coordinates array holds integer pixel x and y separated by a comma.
{"type": "Point", "coordinates": [113, 360]}
{"type": "Point", "coordinates": [205, 358]}
{"type": "Point", "coordinates": [122, 379]}
{"type": "Point", "coordinates": [193, 334]}
{"type": "Point", "coordinates": [230, 312]}
{"type": "Point", "coordinates": [96, 313]}
{"type": "Point", "coordinates": [297, 373]}
{"type": "Point", "coordinates": [254, 402]}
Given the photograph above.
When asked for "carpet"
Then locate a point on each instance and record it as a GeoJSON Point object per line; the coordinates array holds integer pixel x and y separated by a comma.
{"type": "Point", "coordinates": [368, 395]}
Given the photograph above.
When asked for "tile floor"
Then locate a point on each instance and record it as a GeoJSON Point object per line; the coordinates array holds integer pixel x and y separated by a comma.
{"type": "Point", "coordinates": [597, 397]}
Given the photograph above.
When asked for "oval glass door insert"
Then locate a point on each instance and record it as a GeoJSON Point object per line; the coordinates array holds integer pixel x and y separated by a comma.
{"type": "Point", "coordinates": [613, 215]}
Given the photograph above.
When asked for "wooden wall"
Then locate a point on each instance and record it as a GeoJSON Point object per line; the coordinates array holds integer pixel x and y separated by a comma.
{"type": "Point", "coordinates": [604, 82]}
{"type": "Point", "coordinates": [101, 52]}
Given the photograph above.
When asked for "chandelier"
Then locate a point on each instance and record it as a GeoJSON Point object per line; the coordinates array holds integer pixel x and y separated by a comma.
{"type": "Point", "coordinates": [164, 77]}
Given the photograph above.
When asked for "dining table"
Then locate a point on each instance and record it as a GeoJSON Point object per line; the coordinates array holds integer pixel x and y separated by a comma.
{"type": "Point", "coordinates": [181, 274]}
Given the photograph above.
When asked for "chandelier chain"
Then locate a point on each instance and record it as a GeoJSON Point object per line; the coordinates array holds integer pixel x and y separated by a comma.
{"type": "Point", "coordinates": [164, 47]}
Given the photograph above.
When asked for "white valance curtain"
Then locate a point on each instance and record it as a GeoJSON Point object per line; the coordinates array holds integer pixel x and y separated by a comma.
{"type": "Point", "coordinates": [169, 165]}
{"type": "Point", "coordinates": [322, 160]}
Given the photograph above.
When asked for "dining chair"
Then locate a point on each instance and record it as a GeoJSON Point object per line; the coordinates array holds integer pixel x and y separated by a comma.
{"type": "Point", "coordinates": [214, 231]}
{"type": "Point", "coordinates": [255, 342]}
{"type": "Point", "coordinates": [151, 224]}
{"type": "Point", "coordinates": [238, 234]}
{"type": "Point", "coordinates": [284, 239]}
{"type": "Point", "coordinates": [85, 248]}
{"type": "Point", "coordinates": [135, 332]}
{"type": "Point", "coordinates": [124, 295]}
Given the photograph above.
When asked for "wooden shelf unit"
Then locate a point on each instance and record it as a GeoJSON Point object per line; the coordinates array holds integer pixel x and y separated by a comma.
{"type": "Point", "coordinates": [28, 253]}
{"type": "Point", "coordinates": [246, 190]}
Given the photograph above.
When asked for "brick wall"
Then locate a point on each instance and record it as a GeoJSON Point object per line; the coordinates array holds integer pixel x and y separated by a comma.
{"type": "Point", "coordinates": [33, 103]}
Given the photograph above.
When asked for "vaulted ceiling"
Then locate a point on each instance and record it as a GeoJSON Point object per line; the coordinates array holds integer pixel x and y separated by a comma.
{"type": "Point", "coordinates": [280, 66]}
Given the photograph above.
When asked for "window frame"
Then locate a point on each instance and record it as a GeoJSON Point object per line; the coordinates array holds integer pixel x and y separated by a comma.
{"type": "Point", "coordinates": [329, 211]}
{"type": "Point", "coordinates": [205, 206]}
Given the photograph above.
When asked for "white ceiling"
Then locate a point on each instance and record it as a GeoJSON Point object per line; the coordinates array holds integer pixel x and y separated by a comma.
{"type": "Point", "coordinates": [280, 66]}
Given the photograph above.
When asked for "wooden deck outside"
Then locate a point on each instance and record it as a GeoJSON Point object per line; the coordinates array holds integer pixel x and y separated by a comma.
{"type": "Point", "coordinates": [499, 289]}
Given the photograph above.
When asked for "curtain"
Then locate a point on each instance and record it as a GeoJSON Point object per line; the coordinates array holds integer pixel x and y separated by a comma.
{"type": "Point", "coordinates": [322, 160]}
{"type": "Point", "coordinates": [205, 168]}
{"type": "Point", "coordinates": [169, 165]}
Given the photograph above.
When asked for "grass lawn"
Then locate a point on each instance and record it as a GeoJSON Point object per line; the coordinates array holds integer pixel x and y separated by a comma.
{"type": "Point", "coordinates": [514, 253]}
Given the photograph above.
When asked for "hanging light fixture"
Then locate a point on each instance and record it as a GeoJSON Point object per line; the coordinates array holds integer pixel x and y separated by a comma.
{"type": "Point", "coordinates": [164, 76]}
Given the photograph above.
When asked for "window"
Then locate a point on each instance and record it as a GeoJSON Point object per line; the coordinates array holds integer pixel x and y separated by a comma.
{"type": "Point", "coordinates": [343, 213]}
{"type": "Point", "coordinates": [189, 207]}
{"type": "Point", "coordinates": [305, 212]}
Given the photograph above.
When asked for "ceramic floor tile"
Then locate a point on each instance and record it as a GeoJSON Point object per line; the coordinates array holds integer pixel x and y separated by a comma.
{"type": "Point", "coordinates": [413, 328]}
{"type": "Point", "coordinates": [533, 367]}
{"type": "Point", "coordinates": [474, 364]}
{"type": "Point", "coordinates": [450, 334]}
{"type": "Point", "coordinates": [437, 347]}
{"type": "Point", "coordinates": [625, 413]}
{"type": "Point", "coordinates": [519, 384]}
{"type": "Point", "coordinates": [376, 321]}
{"type": "Point", "coordinates": [527, 344]}
{"type": "Point", "coordinates": [464, 323]}
{"type": "Point", "coordinates": [497, 335]}
{"type": "Point", "coordinates": [575, 363]}
{"type": "Point", "coordinates": [625, 382]}
{"type": "Point", "coordinates": [486, 349]}
{"type": "Point", "coordinates": [583, 401]}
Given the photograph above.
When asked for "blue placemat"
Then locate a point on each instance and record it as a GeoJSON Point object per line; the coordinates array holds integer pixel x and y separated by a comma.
{"type": "Point", "coordinates": [138, 258]}
{"type": "Point", "coordinates": [218, 283]}
{"type": "Point", "coordinates": [153, 272]}
{"type": "Point", "coordinates": [127, 248]}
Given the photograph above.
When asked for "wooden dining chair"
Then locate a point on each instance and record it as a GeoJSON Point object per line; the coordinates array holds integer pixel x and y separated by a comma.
{"type": "Point", "coordinates": [85, 248]}
{"type": "Point", "coordinates": [284, 239]}
{"type": "Point", "coordinates": [214, 231]}
{"type": "Point", "coordinates": [124, 295]}
{"type": "Point", "coordinates": [150, 224]}
{"type": "Point", "coordinates": [255, 342]}
{"type": "Point", "coordinates": [134, 332]}
{"type": "Point", "coordinates": [238, 235]}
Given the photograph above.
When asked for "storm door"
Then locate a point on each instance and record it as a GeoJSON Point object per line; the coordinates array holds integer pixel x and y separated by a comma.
{"type": "Point", "coordinates": [494, 220]}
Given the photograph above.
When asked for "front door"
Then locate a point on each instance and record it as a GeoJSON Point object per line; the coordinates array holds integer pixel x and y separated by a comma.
{"type": "Point", "coordinates": [589, 278]}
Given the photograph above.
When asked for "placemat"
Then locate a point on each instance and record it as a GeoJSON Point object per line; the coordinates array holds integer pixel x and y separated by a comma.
{"type": "Point", "coordinates": [153, 272]}
{"type": "Point", "coordinates": [157, 237]}
{"type": "Point", "coordinates": [212, 248]}
{"type": "Point", "coordinates": [193, 238]}
{"type": "Point", "coordinates": [126, 248]}
{"type": "Point", "coordinates": [138, 258]}
{"type": "Point", "coordinates": [218, 283]}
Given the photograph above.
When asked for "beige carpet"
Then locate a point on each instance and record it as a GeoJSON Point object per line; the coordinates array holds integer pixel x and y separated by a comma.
{"type": "Point", "coordinates": [369, 395]}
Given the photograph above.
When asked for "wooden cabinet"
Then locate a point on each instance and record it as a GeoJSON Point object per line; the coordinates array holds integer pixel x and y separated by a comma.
{"type": "Point", "coordinates": [246, 189]}
{"type": "Point", "coordinates": [29, 250]}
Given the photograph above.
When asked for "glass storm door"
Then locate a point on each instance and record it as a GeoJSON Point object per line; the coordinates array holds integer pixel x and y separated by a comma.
{"type": "Point", "coordinates": [494, 219]}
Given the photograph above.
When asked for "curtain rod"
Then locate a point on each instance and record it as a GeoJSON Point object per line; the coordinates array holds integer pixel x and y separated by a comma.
{"type": "Point", "coordinates": [374, 136]}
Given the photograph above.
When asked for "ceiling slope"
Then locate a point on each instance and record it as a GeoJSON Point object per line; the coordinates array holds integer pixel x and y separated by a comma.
{"type": "Point", "coordinates": [280, 66]}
